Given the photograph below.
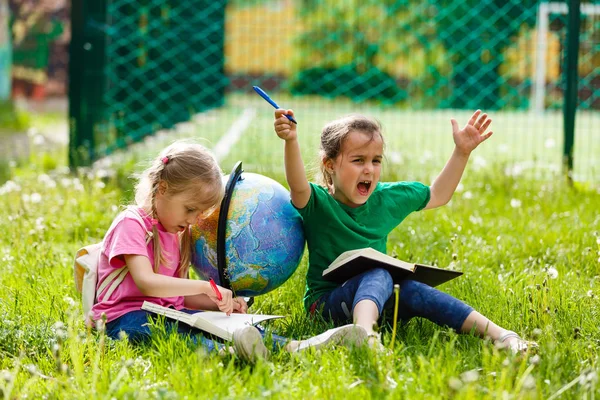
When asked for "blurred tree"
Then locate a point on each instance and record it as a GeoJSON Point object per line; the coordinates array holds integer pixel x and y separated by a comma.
{"type": "Point", "coordinates": [475, 34]}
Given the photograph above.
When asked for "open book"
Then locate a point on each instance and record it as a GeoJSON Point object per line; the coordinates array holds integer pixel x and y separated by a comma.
{"type": "Point", "coordinates": [354, 262]}
{"type": "Point", "coordinates": [213, 322]}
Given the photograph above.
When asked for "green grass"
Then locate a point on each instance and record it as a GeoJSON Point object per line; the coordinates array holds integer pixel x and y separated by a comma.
{"type": "Point", "coordinates": [530, 250]}
{"type": "Point", "coordinates": [11, 120]}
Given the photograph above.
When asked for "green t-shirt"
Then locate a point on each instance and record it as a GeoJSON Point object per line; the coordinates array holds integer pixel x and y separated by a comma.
{"type": "Point", "coordinates": [331, 227]}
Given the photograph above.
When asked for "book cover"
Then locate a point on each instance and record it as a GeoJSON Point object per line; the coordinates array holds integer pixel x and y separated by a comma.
{"type": "Point", "coordinates": [354, 262]}
{"type": "Point", "coordinates": [213, 322]}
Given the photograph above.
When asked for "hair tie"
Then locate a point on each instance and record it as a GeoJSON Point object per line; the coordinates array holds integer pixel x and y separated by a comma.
{"type": "Point", "coordinates": [165, 160]}
{"type": "Point", "coordinates": [153, 221]}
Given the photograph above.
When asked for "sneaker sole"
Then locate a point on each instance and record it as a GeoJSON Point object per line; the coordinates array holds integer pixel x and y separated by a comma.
{"type": "Point", "coordinates": [348, 336]}
{"type": "Point", "coordinates": [248, 344]}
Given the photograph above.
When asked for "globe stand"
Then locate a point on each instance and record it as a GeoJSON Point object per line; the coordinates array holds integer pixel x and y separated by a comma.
{"type": "Point", "coordinates": [234, 177]}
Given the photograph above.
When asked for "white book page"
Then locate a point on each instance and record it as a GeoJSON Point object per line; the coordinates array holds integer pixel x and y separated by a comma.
{"type": "Point", "coordinates": [168, 312]}
{"type": "Point", "coordinates": [234, 321]}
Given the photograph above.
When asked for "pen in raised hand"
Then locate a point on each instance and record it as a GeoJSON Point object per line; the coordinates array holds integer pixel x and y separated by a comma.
{"type": "Point", "coordinates": [271, 102]}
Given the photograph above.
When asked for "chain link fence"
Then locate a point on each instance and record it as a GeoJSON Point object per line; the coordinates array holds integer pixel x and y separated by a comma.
{"type": "Point", "coordinates": [138, 67]}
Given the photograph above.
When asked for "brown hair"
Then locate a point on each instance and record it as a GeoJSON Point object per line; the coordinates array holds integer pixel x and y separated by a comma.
{"type": "Point", "coordinates": [334, 134]}
{"type": "Point", "coordinates": [188, 166]}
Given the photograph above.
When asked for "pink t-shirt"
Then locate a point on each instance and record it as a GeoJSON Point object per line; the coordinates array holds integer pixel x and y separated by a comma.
{"type": "Point", "coordinates": [127, 236]}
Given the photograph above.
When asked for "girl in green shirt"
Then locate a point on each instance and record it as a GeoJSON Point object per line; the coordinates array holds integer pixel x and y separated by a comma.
{"type": "Point", "coordinates": [351, 209]}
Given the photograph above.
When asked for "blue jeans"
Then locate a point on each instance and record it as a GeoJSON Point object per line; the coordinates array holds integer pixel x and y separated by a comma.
{"type": "Point", "coordinates": [135, 325]}
{"type": "Point", "coordinates": [416, 300]}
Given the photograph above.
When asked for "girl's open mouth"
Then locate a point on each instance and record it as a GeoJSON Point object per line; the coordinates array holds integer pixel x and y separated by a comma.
{"type": "Point", "coordinates": [363, 187]}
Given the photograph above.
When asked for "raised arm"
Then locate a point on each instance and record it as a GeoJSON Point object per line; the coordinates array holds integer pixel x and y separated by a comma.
{"type": "Point", "coordinates": [294, 167]}
{"type": "Point", "coordinates": [465, 141]}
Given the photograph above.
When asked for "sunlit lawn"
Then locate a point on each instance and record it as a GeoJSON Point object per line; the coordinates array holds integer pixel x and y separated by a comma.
{"type": "Point", "coordinates": [530, 250]}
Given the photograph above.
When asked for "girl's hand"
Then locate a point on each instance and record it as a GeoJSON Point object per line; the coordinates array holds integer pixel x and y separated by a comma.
{"type": "Point", "coordinates": [226, 303]}
{"type": "Point", "coordinates": [473, 134]}
{"type": "Point", "coordinates": [240, 305]}
{"type": "Point", "coordinates": [285, 128]}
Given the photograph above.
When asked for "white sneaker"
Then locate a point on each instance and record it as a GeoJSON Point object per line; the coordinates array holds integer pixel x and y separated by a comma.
{"type": "Point", "coordinates": [248, 344]}
{"type": "Point", "coordinates": [348, 335]}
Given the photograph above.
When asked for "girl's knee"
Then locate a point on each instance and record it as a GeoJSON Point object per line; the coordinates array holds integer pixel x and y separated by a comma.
{"type": "Point", "coordinates": [382, 277]}
{"type": "Point", "coordinates": [413, 287]}
{"type": "Point", "coordinates": [380, 282]}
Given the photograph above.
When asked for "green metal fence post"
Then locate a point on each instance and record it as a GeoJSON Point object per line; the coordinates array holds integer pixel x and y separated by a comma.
{"type": "Point", "coordinates": [75, 81]}
{"type": "Point", "coordinates": [86, 79]}
{"type": "Point", "coordinates": [571, 78]}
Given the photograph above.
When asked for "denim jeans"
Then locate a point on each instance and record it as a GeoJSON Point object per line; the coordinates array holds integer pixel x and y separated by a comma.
{"type": "Point", "coordinates": [416, 300]}
{"type": "Point", "coordinates": [135, 325]}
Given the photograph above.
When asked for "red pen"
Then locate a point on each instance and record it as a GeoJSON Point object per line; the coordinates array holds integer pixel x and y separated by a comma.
{"type": "Point", "coordinates": [216, 289]}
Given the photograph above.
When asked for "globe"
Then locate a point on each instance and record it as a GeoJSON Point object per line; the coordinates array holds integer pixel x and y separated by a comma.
{"type": "Point", "coordinates": [262, 239]}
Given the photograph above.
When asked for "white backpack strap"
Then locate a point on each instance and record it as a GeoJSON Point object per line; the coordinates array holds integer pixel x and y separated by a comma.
{"type": "Point", "coordinates": [111, 278]}
{"type": "Point", "coordinates": [115, 278]}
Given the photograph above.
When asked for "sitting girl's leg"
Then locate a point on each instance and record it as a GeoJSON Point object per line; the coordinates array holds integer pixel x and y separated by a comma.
{"type": "Point", "coordinates": [360, 299]}
{"type": "Point", "coordinates": [420, 300]}
{"type": "Point", "coordinates": [135, 325]}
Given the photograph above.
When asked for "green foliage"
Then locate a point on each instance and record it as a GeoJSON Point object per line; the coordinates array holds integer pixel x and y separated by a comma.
{"type": "Point", "coordinates": [529, 250]}
{"type": "Point", "coordinates": [448, 53]}
{"type": "Point", "coordinates": [475, 35]}
{"type": "Point", "coordinates": [325, 82]}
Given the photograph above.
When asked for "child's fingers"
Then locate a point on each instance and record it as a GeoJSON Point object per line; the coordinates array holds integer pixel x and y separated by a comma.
{"type": "Point", "coordinates": [225, 306]}
{"type": "Point", "coordinates": [280, 112]}
{"type": "Point", "coordinates": [480, 121]}
{"type": "Point", "coordinates": [486, 136]}
{"type": "Point", "coordinates": [454, 125]}
{"type": "Point", "coordinates": [474, 117]}
{"type": "Point", "coordinates": [240, 305]}
{"type": "Point", "coordinates": [485, 125]}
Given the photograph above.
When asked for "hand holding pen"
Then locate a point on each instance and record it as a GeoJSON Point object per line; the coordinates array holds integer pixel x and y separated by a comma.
{"type": "Point", "coordinates": [271, 102]}
{"type": "Point", "coordinates": [222, 297]}
{"type": "Point", "coordinates": [285, 129]}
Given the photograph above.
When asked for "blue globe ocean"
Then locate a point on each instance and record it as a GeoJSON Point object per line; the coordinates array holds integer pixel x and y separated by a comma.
{"type": "Point", "coordinates": [264, 239]}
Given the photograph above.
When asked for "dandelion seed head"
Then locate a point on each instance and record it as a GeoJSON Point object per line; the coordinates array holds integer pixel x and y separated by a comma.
{"type": "Point", "coordinates": [9, 186]}
{"type": "Point", "coordinates": [6, 375]}
{"type": "Point", "coordinates": [515, 170]}
{"type": "Point", "coordinates": [480, 161]}
{"type": "Point", "coordinates": [552, 273]}
{"type": "Point", "coordinates": [529, 383]}
{"type": "Point", "coordinates": [69, 300]}
{"type": "Point", "coordinates": [395, 157]}
{"type": "Point", "coordinates": [470, 376]}
{"type": "Point", "coordinates": [32, 369]}
{"type": "Point", "coordinates": [66, 182]}
{"type": "Point", "coordinates": [39, 140]}
{"type": "Point", "coordinates": [515, 203]}
{"type": "Point", "coordinates": [455, 384]}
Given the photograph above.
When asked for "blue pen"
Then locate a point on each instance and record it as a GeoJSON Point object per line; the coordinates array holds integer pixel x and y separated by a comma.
{"type": "Point", "coordinates": [271, 102]}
